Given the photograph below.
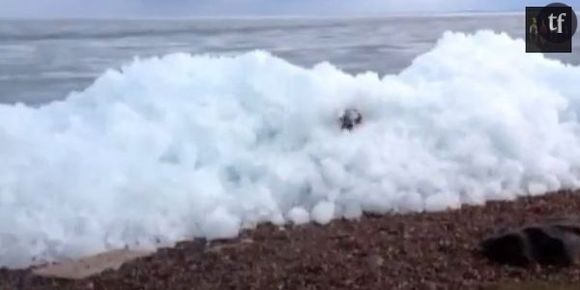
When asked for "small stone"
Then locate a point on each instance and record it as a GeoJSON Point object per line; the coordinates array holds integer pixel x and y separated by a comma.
{"type": "Point", "coordinates": [375, 261]}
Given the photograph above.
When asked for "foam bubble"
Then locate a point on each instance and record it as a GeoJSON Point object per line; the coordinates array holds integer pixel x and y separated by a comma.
{"type": "Point", "coordinates": [299, 215]}
{"type": "Point", "coordinates": [323, 212]}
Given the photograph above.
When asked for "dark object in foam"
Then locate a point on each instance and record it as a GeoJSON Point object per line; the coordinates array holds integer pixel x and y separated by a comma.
{"type": "Point", "coordinates": [350, 118]}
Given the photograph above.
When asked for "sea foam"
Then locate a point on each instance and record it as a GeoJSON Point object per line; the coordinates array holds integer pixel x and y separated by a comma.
{"type": "Point", "coordinates": [187, 146]}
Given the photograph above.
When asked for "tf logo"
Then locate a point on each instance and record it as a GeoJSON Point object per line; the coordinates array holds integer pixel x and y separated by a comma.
{"type": "Point", "coordinates": [550, 28]}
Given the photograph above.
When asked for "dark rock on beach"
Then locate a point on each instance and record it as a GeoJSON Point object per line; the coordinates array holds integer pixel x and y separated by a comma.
{"type": "Point", "coordinates": [554, 242]}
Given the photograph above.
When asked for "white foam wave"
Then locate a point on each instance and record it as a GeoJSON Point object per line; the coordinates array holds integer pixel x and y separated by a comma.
{"type": "Point", "coordinates": [194, 146]}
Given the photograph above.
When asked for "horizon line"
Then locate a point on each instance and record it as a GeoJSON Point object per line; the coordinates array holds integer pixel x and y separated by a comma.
{"type": "Point", "coordinates": [277, 16]}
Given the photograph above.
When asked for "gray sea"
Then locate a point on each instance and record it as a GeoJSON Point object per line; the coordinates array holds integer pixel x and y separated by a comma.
{"type": "Point", "coordinates": [44, 60]}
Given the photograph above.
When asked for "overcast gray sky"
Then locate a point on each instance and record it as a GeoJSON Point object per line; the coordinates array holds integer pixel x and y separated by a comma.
{"type": "Point", "coordinates": [184, 8]}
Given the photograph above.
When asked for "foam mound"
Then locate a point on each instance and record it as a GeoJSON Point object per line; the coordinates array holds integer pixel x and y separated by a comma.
{"type": "Point", "coordinates": [187, 146]}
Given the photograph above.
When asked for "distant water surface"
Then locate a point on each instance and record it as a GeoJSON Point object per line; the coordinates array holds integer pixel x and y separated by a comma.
{"type": "Point", "coordinates": [44, 60]}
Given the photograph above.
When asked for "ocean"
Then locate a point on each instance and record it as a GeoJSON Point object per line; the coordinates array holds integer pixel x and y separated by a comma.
{"type": "Point", "coordinates": [44, 60]}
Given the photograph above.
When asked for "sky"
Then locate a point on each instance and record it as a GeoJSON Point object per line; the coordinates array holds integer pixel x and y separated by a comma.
{"type": "Point", "coordinates": [191, 8]}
